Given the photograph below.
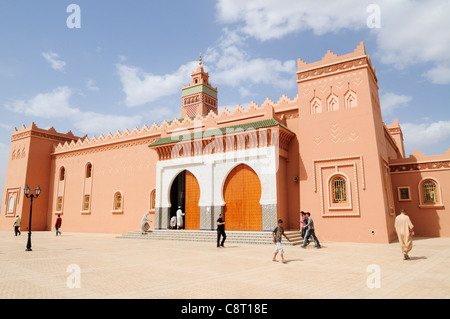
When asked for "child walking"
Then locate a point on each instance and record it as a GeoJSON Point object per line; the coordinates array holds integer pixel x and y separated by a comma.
{"type": "Point", "coordinates": [276, 234]}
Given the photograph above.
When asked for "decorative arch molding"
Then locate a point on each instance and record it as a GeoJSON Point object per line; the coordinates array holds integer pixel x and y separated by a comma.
{"type": "Point", "coordinates": [211, 171]}
{"type": "Point", "coordinates": [333, 102]}
{"type": "Point", "coordinates": [316, 105]}
{"type": "Point", "coordinates": [345, 203]}
{"type": "Point", "coordinates": [351, 99]}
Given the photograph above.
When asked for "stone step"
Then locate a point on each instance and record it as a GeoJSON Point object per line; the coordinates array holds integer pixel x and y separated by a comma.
{"type": "Point", "coordinates": [247, 237]}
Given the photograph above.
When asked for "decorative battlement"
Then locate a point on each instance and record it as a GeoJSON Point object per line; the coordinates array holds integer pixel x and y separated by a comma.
{"type": "Point", "coordinates": [419, 161]}
{"type": "Point", "coordinates": [332, 63]}
{"type": "Point", "coordinates": [187, 125]}
{"type": "Point", "coordinates": [50, 133]}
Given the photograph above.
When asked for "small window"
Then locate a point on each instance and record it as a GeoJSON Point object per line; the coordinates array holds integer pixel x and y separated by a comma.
{"type": "Point", "coordinates": [59, 201]}
{"type": "Point", "coordinates": [339, 191]}
{"type": "Point", "coordinates": [62, 174]}
{"type": "Point", "coordinates": [86, 202]}
{"type": "Point", "coordinates": [403, 194]}
{"type": "Point", "coordinates": [152, 199]}
{"type": "Point", "coordinates": [88, 170]}
{"type": "Point", "coordinates": [117, 201]}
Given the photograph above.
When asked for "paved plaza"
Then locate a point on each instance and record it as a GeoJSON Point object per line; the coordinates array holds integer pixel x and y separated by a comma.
{"type": "Point", "coordinates": [98, 266]}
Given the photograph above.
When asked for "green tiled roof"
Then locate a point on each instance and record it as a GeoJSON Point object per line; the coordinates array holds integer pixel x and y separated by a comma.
{"type": "Point", "coordinates": [218, 131]}
{"type": "Point", "coordinates": [199, 88]}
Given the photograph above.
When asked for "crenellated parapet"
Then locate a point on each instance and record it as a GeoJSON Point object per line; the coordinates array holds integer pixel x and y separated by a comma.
{"type": "Point", "coordinates": [332, 63]}
{"type": "Point", "coordinates": [178, 126]}
{"type": "Point", "coordinates": [51, 133]}
{"type": "Point", "coordinates": [242, 128]}
{"type": "Point", "coordinates": [418, 161]}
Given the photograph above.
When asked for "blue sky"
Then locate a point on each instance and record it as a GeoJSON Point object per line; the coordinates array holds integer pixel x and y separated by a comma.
{"type": "Point", "coordinates": [125, 65]}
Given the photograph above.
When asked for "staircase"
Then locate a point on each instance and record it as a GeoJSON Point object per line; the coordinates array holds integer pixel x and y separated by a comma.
{"type": "Point", "coordinates": [242, 237]}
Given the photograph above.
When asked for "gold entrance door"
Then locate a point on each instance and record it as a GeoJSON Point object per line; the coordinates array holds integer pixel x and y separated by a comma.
{"type": "Point", "coordinates": [192, 210]}
{"type": "Point", "coordinates": [242, 193]}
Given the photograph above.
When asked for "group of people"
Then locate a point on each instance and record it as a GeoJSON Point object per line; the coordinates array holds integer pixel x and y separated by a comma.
{"type": "Point", "coordinates": [18, 220]}
{"type": "Point", "coordinates": [403, 227]}
{"type": "Point", "coordinates": [307, 231]}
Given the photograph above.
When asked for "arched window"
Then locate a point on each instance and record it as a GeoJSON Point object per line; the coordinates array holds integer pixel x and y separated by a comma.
{"type": "Point", "coordinates": [117, 206]}
{"type": "Point", "coordinates": [339, 189]}
{"type": "Point", "coordinates": [430, 194]}
{"type": "Point", "coordinates": [152, 199]}
{"type": "Point", "coordinates": [88, 170]}
{"type": "Point", "coordinates": [62, 173]}
{"type": "Point", "coordinates": [11, 204]}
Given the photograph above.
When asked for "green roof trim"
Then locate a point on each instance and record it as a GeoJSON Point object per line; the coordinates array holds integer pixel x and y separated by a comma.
{"type": "Point", "coordinates": [197, 89]}
{"type": "Point", "coordinates": [219, 131]}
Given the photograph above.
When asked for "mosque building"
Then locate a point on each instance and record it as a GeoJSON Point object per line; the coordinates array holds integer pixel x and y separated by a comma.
{"type": "Point", "coordinates": [326, 151]}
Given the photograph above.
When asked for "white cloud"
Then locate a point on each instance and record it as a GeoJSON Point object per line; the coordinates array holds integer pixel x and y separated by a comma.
{"type": "Point", "coordinates": [53, 104]}
{"type": "Point", "coordinates": [52, 58]}
{"type": "Point", "coordinates": [141, 87]}
{"type": "Point", "coordinates": [96, 123]}
{"type": "Point", "coordinates": [6, 126]}
{"type": "Point", "coordinates": [390, 101]}
{"type": "Point", "coordinates": [56, 105]}
{"type": "Point", "coordinates": [233, 66]}
{"type": "Point", "coordinates": [267, 19]}
{"type": "Point", "coordinates": [439, 74]}
{"type": "Point", "coordinates": [425, 134]}
{"type": "Point", "coordinates": [411, 31]}
{"type": "Point", "coordinates": [91, 85]}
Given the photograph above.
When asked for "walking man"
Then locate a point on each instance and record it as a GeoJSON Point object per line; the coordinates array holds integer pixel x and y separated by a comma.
{"type": "Point", "coordinates": [404, 229]}
{"type": "Point", "coordinates": [17, 225]}
{"type": "Point", "coordinates": [221, 231]}
{"type": "Point", "coordinates": [310, 232]}
{"type": "Point", "coordinates": [277, 234]}
{"type": "Point", "coordinates": [58, 225]}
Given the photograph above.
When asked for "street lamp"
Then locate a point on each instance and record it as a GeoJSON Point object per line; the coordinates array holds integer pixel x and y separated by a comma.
{"type": "Point", "coordinates": [37, 191]}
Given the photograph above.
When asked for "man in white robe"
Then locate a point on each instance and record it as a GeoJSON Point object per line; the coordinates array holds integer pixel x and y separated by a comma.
{"type": "Point", "coordinates": [144, 225]}
{"type": "Point", "coordinates": [180, 215]}
{"type": "Point", "coordinates": [404, 229]}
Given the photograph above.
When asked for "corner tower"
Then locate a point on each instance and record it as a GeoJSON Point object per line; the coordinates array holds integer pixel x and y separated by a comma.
{"type": "Point", "coordinates": [345, 149]}
{"type": "Point", "coordinates": [199, 97]}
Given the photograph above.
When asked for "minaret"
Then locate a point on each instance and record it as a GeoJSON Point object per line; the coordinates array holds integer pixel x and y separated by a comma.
{"type": "Point", "coordinates": [199, 97]}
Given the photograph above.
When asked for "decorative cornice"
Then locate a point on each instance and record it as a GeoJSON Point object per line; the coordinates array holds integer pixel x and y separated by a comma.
{"type": "Point", "coordinates": [351, 64]}
{"type": "Point", "coordinates": [104, 147]}
{"type": "Point", "coordinates": [421, 166]}
{"type": "Point", "coordinates": [221, 143]}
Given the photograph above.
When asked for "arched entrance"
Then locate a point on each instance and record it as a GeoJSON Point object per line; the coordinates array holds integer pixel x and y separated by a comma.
{"type": "Point", "coordinates": [185, 192]}
{"type": "Point", "coordinates": [242, 193]}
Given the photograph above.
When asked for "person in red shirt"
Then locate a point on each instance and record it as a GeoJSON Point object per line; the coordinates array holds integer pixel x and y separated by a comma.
{"type": "Point", "coordinates": [58, 224]}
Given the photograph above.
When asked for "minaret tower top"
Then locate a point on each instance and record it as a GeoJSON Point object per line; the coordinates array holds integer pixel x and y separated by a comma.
{"type": "Point", "coordinates": [199, 97]}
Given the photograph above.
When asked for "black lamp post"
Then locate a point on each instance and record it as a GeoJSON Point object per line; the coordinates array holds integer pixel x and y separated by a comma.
{"type": "Point", "coordinates": [31, 196]}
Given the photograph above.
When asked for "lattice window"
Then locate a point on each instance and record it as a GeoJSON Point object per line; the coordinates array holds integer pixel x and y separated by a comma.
{"type": "Point", "coordinates": [430, 192]}
{"type": "Point", "coordinates": [86, 202]}
{"type": "Point", "coordinates": [59, 201]}
{"type": "Point", "coordinates": [403, 194]}
{"type": "Point", "coordinates": [339, 191]}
